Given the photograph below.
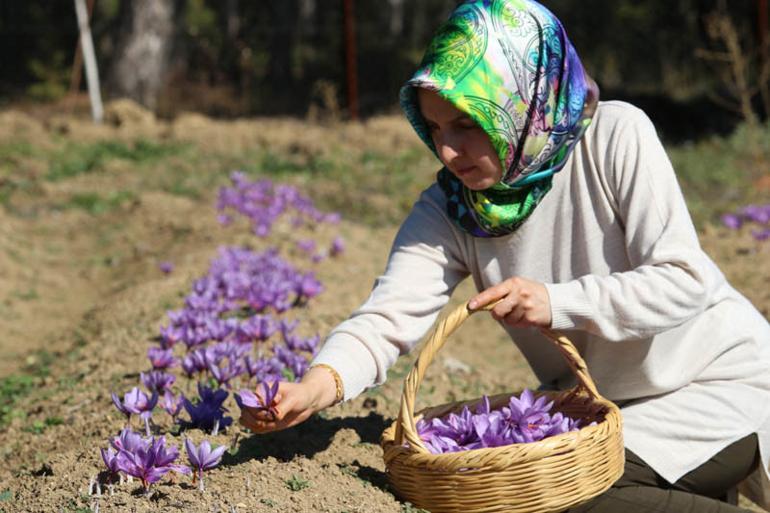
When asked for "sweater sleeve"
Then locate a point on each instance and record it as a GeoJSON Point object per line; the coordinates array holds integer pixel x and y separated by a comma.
{"type": "Point", "coordinates": [670, 279]}
{"type": "Point", "coordinates": [423, 268]}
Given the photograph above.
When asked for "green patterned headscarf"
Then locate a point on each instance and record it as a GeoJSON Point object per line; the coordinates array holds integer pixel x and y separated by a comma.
{"type": "Point", "coordinates": [509, 66]}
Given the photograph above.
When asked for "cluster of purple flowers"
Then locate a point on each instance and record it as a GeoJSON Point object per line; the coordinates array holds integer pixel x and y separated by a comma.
{"type": "Point", "coordinates": [228, 333]}
{"type": "Point", "coordinates": [756, 214]}
{"type": "Point", "coordinates": [524, 420]}
{"type": "Point", "coordinates": [263, 202]}
{"type": "Point", "coordinates": [149, 459]}
{"type": "Point", "coordinates": [227, 302]}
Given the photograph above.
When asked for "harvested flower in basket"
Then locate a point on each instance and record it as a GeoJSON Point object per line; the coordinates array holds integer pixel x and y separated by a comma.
{"type": "Point", "coordinates": [524, 420]}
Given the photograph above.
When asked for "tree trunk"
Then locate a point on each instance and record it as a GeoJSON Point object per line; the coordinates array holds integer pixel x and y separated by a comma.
{"type": "Point", "coordinates": [143, 50]}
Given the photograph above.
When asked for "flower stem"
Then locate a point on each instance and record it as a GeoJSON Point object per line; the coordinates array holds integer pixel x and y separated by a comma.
{"type": "Point", "coordinates": [147, 425]}
{"type": "Point", "coordinates": [200, 481]}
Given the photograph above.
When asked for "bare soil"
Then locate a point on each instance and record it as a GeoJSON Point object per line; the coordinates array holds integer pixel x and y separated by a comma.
{"type": "Point", "coordinates": [87, 291]}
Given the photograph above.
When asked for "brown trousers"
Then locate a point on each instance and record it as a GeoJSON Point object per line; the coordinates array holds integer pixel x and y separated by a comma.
{"type": "Point", "coordinates": [703, 490]}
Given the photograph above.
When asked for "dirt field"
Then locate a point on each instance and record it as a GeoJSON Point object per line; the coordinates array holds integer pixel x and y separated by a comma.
{"type": "Point", "coordinates": [82, 297]}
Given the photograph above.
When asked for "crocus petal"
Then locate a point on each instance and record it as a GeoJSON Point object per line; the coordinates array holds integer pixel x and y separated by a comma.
{"type": "Point", "coordinates": [192, 453]}
{"type": "Point", "coordinates": [214, 457]}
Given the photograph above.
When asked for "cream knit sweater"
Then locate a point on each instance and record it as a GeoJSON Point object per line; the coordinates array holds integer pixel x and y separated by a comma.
{"type": "Point", "coordinates": [661, 330]}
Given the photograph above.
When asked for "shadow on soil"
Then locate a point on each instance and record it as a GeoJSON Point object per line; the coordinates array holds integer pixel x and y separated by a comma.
{"type": "Point", "coordinates": [306, 439]}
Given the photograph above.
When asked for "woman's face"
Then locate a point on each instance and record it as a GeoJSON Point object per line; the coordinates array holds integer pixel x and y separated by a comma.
{"type": "Point", "coordinates": [463, 147]}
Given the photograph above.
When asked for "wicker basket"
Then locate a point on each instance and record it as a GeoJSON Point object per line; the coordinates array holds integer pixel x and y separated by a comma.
{"type": "Point", "coordinates": [550, 475]}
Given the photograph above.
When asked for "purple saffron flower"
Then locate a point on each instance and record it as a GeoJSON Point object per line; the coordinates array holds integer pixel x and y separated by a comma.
{"type": "Point", "coordinates": [135, 401]}
{"type": "Point", "coordinates": [194, 362]}
{"type": "Point", "coordinates": [337, 247]}
{"type": "Point", "coordinates": [128, 440]}
{"type": "Point", "coordinates": [161, 358]}
{"type": "Point", "coordinates": [208, 413]}
{"type": "Point", "coordinates": [761, 235]}
{"type": "Point", "coordinates": [306, 245]}
{"type": "Point", "coordinates": [150, 462]}
{"type": "Point", "coordinates": [524, 420]}
{"type": "Point", "coordinates": [732, 221]}
{"type": "Point", "coordinates": [225, 372]}
{"type": "Point", "coordinates": [172, 403]}
{"type": "Point", "coordinates": [110, 461]}
{"type": "Point", "coordinates": [264, 402]}
{"type": "Point", "coordinates": [166, 267]}
{"type": "Point", "coordinates": [203, 458]}
{"type": "Point", "coordinates": [760, 214]}
{"type": "Point", "coordinates": [309, 286]}
{"type": "Point", "coordinates": [157, 380]}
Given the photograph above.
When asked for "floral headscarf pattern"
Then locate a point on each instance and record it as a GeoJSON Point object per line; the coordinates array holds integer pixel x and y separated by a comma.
{"type": "Point", "coordinates": [509, 66]}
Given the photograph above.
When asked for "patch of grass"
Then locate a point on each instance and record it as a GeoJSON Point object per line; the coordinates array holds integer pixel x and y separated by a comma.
{"type": "Point", "coordinates": [77, 159]}
{"type": "Point", "coordinates": [12, 389]}
{"type": "Point", "coordinates": [270, 503]}
{"type": "Point", "coordinates": [718, 175]}
{"type": "Point", "coordinates": [96, 204]}
{"type": "Point", "coordinates": [295, 483]}
{"type": "Point", "coordinates": [408, 507]}
{"type": "Point", "coordinates": [39, 426]}
{"type": "Point", "coordinates": [6, 495]}
{"type": "Point", "coordinates": [27, 295]}
{"type": "Point", "coordinates": [11, 152]}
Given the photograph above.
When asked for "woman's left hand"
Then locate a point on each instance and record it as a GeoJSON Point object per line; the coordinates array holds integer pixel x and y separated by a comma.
{"type": "Point", "coordinates": [524, 303]}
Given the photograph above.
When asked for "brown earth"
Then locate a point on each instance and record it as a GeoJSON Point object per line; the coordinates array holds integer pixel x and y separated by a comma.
{"type": "Point", "coordinates": [88, 291]}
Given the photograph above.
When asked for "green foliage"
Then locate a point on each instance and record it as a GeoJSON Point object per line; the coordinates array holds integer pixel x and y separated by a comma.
{"type": "Point", "coordinates": [6, 495]}
{"type": "Point", "coordinates": [288, 374]}
{"type": "Point", "coordinates": [270, 503]}
{"type": "Point", "coordinates": [12, 389]}
{"type": "Point", "coordinates": [96, 204]}
{"type": "Point", "coordinates": [52, 75]}
{"type": "Point", "coordinates": [295, 483]}
{"type": "Point", "coordinates": [408, 507]}
{"type": "Point", "coordinates": [75, 159]}
{"type": "Point", "coordinates": [39, 426]}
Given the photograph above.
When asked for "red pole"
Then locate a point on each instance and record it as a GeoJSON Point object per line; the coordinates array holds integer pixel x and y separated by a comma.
{"type": "Point", "coordinates": [350, 59]}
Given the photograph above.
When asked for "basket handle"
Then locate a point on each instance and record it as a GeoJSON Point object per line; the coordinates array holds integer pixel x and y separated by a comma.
{"type": "Point", "coordinates": [406, 429]}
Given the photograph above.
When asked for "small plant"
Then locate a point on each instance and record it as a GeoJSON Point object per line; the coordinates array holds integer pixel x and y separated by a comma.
{"type": "Point", "coordinates": [408, 507]}
{"type": "Point", "coordinates": [296, 483]}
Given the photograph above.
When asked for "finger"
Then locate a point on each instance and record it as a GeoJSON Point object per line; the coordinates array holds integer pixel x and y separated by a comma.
{"type": "Point", "coordinates": [489, 295]}
{"type": "Point", "coordinates": [283, 408]}
{"type": "Point", "coordinates": [516, 317]}
{"type": "Point", "coordinates": [504, 308]}
{"type": "Point", "coordinates": [251, 424]}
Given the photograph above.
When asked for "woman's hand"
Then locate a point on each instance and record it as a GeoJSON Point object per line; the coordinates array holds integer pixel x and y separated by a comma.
{"type": "Point", "coordinates": [294, 402]}
{"type": "Point", "coordinates": [524, 303]}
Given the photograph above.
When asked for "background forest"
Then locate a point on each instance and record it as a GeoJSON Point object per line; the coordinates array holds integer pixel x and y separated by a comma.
{"type": "Point", "coordinates": [696, 66]}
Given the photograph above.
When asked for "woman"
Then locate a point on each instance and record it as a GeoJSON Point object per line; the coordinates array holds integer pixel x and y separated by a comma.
{"type": "Point", "coordinates": [568, 209]}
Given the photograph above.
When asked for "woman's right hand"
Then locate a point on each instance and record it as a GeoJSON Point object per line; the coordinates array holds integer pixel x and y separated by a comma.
{"type": "Point", "coordinates": [294, 402]}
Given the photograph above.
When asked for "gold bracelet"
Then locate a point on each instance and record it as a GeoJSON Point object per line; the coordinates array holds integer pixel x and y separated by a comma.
{"type": "Point", "coordinates": [340, 394]}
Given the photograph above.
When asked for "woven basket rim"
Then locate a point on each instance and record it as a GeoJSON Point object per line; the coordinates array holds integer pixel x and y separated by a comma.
{"type": "Point", "coordinates": [586, 432]}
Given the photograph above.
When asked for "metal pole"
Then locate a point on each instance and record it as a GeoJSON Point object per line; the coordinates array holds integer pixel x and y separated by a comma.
{"type": "Point", "coordinates": [350, 59]}
{"type": "Point", "coordinates": [89, 56]}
